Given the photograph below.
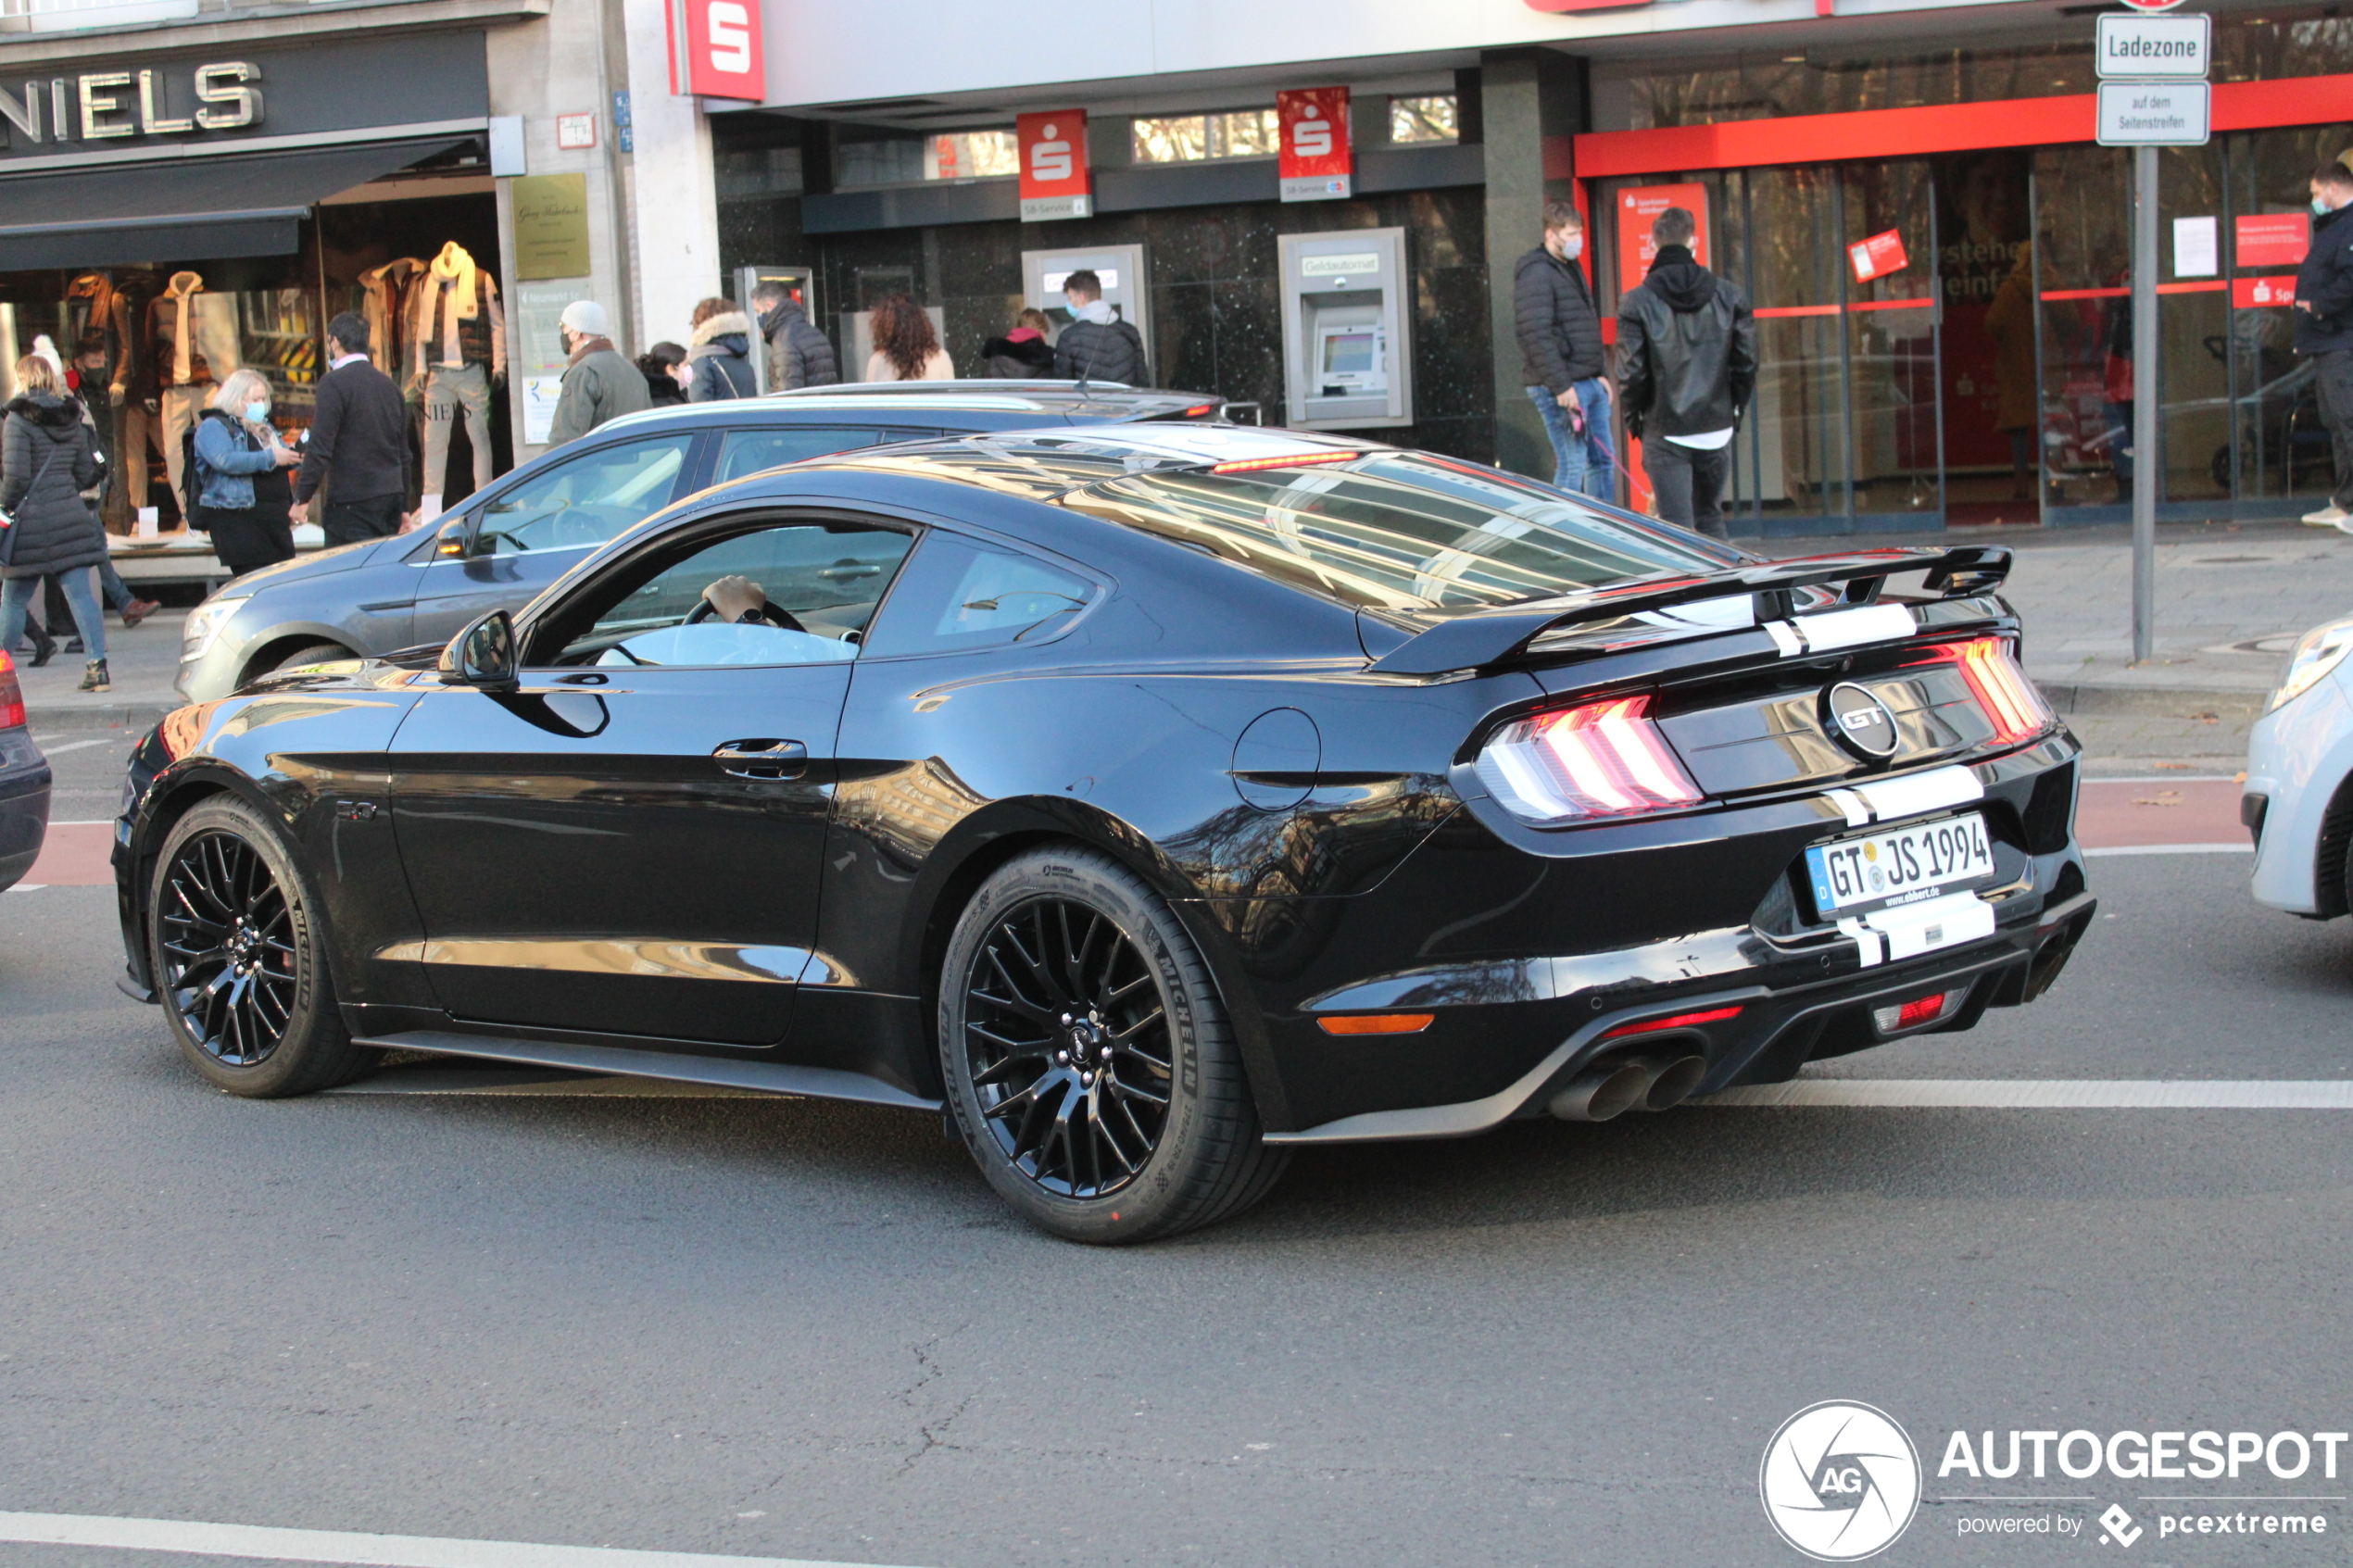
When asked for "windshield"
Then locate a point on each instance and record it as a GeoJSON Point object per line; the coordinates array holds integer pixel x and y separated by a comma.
{"type": "Point", "coordinates": [1401, 531]}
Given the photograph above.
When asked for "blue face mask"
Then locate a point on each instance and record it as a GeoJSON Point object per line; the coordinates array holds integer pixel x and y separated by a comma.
{"type": "Point", "coordinates": [256, 412]}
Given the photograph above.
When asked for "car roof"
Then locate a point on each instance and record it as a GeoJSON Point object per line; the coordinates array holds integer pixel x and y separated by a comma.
{"type": "Point", "coordinates": [969, 404]}
{"type": "Point", "coordinates": [1044, 463]}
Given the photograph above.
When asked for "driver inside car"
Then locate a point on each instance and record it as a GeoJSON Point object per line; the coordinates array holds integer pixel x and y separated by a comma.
{"type": "Point", "coordinates": [734, 623]}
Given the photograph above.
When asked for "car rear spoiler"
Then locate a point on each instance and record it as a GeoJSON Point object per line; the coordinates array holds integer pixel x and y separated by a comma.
{"type": "Point", "coordinates": [1486, 637]}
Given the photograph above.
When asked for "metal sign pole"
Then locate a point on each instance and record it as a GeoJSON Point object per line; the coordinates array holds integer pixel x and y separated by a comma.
{"type": "Point", "coordinates": [2147, 475]}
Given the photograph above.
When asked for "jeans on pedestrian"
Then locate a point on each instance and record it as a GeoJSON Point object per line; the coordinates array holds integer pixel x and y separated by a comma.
{"type": "Point", "coordinates": [2332, 375]}
{"type": "Point", "coordinates": [1582, 464]}
{"type": "Point", "coordinates": [18, 592]}
{"type": "Point", "coordinates": [1688, 484]}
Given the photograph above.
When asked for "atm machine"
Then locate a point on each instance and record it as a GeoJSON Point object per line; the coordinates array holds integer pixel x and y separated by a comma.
{"type": "Point", "coordinates": [799, 282]}
{"type": "Point", "coordinates": [1348, 350]}
{"type": "Point", "coordinates": [1120, 267]}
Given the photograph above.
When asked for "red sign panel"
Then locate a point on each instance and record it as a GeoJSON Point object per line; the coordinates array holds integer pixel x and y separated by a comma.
{"type": "Point", "coordinates": [2272, 239]}
{"type": "Point", "coordinates": [1878, 256]}
{"type": "Point", "coordinates": [1581, 4]}
{"type": "Point", "coordinates": [1054, 177]}
{"type": "Point", "coordinates": [715, 50]}
{"type": "Point", "coordinates": [2152, 5]}
{"type": "Point", "coordinates": [1314, 161]}
{"type": "Point", "coordinates": [2255, 293]}
{"type": "Point", "coordinates": [1638, 208]}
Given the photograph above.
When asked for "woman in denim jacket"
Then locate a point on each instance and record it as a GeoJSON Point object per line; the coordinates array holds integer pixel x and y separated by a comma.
{"type": "Point", "coordinates": [243, 495]}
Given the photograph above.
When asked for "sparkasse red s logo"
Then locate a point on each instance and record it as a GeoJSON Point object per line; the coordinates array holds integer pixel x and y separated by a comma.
{"type": "Point", "coordinates": [715, 50]}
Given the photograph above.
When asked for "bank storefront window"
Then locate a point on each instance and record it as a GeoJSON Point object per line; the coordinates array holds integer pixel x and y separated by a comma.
{"type": "Point", "coordinates": [1190, 138]}
{"type": "Point", "coordinates": [1417, 121]}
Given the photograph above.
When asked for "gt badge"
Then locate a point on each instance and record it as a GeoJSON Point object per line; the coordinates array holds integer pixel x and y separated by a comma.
{"type": "Point", "coordinates": [1860, 722]}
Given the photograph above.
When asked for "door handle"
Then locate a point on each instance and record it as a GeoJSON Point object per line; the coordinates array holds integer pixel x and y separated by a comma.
{"type": "Point", "coordinates": [762, 758]}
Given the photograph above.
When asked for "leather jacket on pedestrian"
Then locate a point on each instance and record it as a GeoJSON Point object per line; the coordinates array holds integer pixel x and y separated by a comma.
{"type": "Point", "coordinates": [1560, 332]}
{"type": "Point", "coordinates": [1686, 350]}
{"type": "Point", "coordinates": [2326, 279]}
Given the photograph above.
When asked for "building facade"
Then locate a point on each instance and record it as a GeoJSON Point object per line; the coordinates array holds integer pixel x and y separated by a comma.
{"type": "Point", "coordinates": [1910, 193]}
{"type": "Point", "coordinates": [192, 187]}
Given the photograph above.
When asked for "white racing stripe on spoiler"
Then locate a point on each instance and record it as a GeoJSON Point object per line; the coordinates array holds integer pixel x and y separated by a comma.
{"type": "Point", "coordinates": [1843, 629]}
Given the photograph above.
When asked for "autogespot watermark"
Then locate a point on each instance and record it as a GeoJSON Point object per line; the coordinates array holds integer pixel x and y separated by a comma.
{"type": "Point", "coordinates": [1840, 1481]}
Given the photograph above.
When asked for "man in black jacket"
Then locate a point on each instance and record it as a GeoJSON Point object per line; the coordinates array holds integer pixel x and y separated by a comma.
{"type": "Point", "coordinates": [798, 355]}
{"type": "Point", "coordinates": [1099, 344]}
{"type": "Point", "coordinates": [2324, 328]}
{"type": "Point", "coordinates": [1687, 361]}
{"type": "Point", "coordinates": [1560, 343]}
{"type": "Point", "coordinates": [358, 444]}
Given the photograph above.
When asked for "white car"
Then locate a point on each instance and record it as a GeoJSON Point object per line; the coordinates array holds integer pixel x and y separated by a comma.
{"type": "Point", "coordinates": [2298, 800]}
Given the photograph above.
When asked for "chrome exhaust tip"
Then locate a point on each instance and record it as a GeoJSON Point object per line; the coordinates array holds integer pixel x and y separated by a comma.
{"type": "Point", "coordinates": [1672, 1082]}
{"type": "Point", "coordinates": [1600, 1093]}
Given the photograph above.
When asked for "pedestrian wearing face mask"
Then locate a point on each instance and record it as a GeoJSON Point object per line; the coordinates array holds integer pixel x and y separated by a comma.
{"type": "Point", "coordinates": [1560, 343]}
{"type": "Point", "coordinates": [243, 494]}
{"type": "Point", "coordinates": [2324, 328]}
{"type": "Point", "coordinates": [598, 383]}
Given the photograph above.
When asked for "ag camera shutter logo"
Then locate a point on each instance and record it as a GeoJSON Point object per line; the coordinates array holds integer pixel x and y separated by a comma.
{"type": "Point", "coordinates": [1840, 1481]}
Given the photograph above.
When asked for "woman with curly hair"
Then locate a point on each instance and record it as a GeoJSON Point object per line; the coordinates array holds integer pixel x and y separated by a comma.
{"type": "Point", "coordinates": [905, 347]}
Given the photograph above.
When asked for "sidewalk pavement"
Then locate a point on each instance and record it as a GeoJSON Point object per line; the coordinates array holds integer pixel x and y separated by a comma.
{"type": "Point", "coordinates": [140, 662]}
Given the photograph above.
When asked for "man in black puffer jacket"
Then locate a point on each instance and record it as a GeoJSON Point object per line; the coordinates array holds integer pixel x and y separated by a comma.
{"type": "Point", "coordinates": [798, 355]}
{"type": "Point", "coordinates": [1560, 346]}
{"type": "Point", "coordinates": [2324, 327]}
{"type": "Point", "coordinates": [46, 461]}
{"type": "Point", "coordinates": [1098, 344]}
{"type": "Point", "coordinates": [1687, 364]}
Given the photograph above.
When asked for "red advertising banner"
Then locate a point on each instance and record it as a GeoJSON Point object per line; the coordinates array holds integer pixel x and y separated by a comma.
{"type": "Point", "coordinates": [715, 50]}
{"type": "Point", "coordinates": [1056, 181]}
{"type": "Point", "coordinates": [1638, 208]}
{"type": "Point", "coordinates": [2271, 239]}
{"type": "Point", "coordinates": [2256, 294]}
{"type": "Point", "coordinates": [1878, 256]}
{"type": "Point", "coordinates": [1314, 159]}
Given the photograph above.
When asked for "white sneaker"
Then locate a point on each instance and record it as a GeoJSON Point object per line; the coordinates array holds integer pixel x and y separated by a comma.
{"type": "Point", "coordinates": [2330, 516]}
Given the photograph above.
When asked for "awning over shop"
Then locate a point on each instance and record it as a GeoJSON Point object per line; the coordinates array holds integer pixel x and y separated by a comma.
{"type": "Point", "coordinates": [183, 210]}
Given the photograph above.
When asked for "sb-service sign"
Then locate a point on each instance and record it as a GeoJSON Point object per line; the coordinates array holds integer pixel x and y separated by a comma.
{"type": "Point", "coordinates": [1055, 178]}
{"type": "Point", "coordinates": [1638, 208]}
{"type": "Point", "coordinates": [1314, 158]}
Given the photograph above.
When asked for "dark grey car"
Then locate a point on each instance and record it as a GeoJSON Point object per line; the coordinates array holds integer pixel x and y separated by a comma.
{"type": "Point", "coordinates": [496, 549]}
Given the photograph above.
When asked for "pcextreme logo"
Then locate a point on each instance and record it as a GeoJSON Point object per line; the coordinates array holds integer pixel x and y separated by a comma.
{"type": "Point", "coordinates": [1840, 1481]}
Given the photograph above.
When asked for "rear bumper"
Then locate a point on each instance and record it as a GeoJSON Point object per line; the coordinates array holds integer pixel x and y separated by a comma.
{"type": "Point", "coordinates": [1777, 1031]}
{"type": "Point", "coordinates": [24, 810]}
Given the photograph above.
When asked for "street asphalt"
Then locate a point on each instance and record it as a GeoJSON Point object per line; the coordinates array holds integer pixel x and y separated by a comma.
{"type": "Point", "coordinates": [771, 1328]}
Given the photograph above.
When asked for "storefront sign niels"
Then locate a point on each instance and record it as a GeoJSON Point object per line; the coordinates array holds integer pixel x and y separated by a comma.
{"type": "Point", "coordinates": [2269, 239]}
{"type": "Point", "coordinates": [1313, 160]}
{"type": "Point", "coordinates": [1055, 179]}
{"type": "Point", "coordinates": [1638, 208]}
{"type": "Point", "coordinates": [103, 105]}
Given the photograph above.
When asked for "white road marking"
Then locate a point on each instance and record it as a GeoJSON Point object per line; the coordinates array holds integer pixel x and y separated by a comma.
{"type": "Point", "coordinates": [351, 1547]}
{"type": "Point", "coordinates": [28, 887]}
{"type": "Point", "coordinates": [48, 750]}
{"type": "Point", "coordinates": [2174, 850]}
{"type": "Point", "coordinates": [2049, 1094]}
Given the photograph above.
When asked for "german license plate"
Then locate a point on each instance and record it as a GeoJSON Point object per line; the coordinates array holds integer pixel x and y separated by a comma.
{"type": "Point", "coordinates": [1902, 865]}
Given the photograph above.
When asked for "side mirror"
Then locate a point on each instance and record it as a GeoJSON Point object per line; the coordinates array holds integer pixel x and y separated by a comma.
{"type": "Point", "coordinates": [450, 542]}
{"type": "Point", "coordinates": [483, 655]}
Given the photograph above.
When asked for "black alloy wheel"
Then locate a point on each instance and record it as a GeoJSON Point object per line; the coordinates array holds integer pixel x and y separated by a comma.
{"type": "Point", "coordinates": [1088, 1058]}
{"type": "Point", "coordinates": [239, 959]}
{"type": "Point", "coordinates": [226, 937]}
{"type": "Point", "coordinates": [1067, 1041]}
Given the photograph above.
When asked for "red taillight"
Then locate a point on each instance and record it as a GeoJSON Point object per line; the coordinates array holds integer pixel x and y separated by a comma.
{"type": "Point", "coordinates": [1680, 1020]}
{"type": "Point", "coordinates": [1378, 1023]}
{"type": "Point", "coordinates": [11, 694]}
{"type": "Point", "coordinates": [2000, 686]}
{"type": "Point", "coordinates": [1919, 1010]}
{"type": "Point", "coordinates": [1574, 764]}
{"type": "Point", "coordinates": [1200, 410]}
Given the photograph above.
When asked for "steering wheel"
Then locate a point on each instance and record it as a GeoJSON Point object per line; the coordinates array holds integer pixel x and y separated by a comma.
{"type": "Point", "coordinates": [777, 616]}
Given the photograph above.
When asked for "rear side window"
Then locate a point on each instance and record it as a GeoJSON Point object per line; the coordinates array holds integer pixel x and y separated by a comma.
{"type": "Point", "coordinates": [1401, 531]}
{"type": "Point", "coordinates": [957, 594]}
{"type": "Point", "coordinates": [748, 451]}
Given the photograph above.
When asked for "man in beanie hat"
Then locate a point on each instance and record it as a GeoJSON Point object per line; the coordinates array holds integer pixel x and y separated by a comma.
{"type": "Point", "coordinates": [598, 383]}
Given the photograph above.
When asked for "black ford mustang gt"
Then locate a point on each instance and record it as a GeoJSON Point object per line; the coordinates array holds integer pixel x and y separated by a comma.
{"type": "Point", "coordinates": [1150, 801]}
